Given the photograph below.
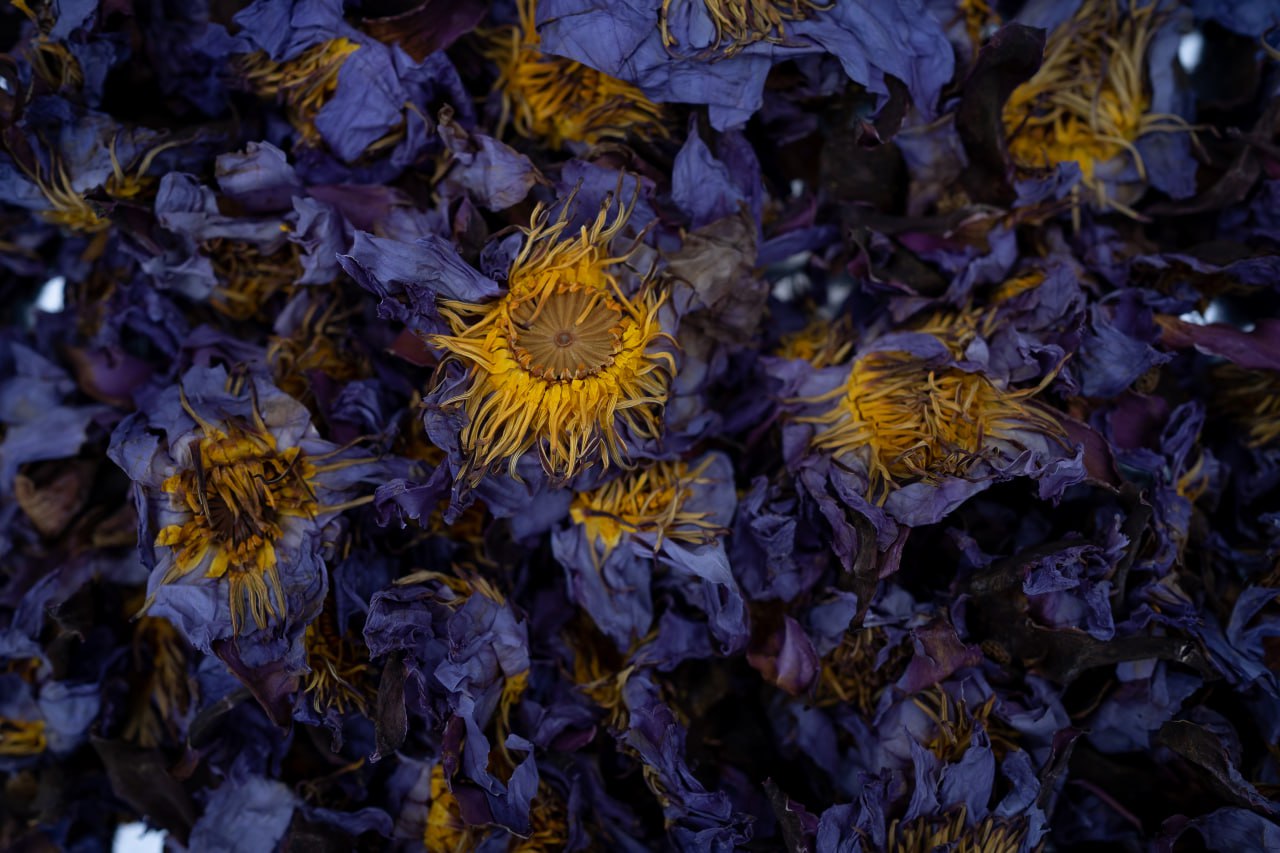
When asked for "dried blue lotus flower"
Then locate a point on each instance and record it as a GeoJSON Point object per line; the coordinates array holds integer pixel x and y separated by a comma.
{"type": "Point", "coordinates": [567, 364]}
{"type": "Point", "coordinates": [235, 502]}
{"type": "Point", "coordinates": [1048, 120]}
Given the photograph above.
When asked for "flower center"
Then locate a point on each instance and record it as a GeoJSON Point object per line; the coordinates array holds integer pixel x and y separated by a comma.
{"type": "Point", "coordinates": [913, 421]}
{"type": "Point", "coordinates": [651, 500]}
{"type": "Point", "coordinates": [303, 84]}
{"type": "Point", "coordinates": [740, 23]}
{"type": "Point", "coordinates": [21, 737]}
{"type": "Point", "coordinates": [1089, 102]}
{"type": "Point", "coordinates": [567, 334]}
{"type": "Point", "coordinates": [248, 275]}
{"type": "Point", "coordinates": [239, 492]}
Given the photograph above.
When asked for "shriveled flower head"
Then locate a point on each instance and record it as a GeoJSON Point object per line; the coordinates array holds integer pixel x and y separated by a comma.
{"type": "Point", "coordinates": [907, 419]}
{"type": "Point", "coordinates": [566, 363]}
{"type": "Point", "coordinates": [557, 100]}
{"type": "Point", "coordinates": [238, 494]}
{"type": "Point", "coordinates": [822, 342]}
{"type": "Point", "coordinates": [1089, 102]}
{"type": "Point", "coordinates": [740, 23]}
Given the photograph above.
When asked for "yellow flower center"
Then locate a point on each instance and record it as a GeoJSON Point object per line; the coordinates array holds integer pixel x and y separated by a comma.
{"type": "Point", "coordinates": [1088, 101]}
{"type": "Point", "coordinates": [159, 651]}
{"type": "Point", "coordinates": [22, 737]}
{"type": "Point", "coordinates": [822, 343]}
{"type": "Point", "coordinates": [651, 500]}
{"type": "Point", "coordinates": [950, 832]}
{"type": "Point", "coordinates": [959, 327]}
{"type": "Point", "coordinates": [911, 421]}
{"type": "Point", "coordinates": [557, 100]}
{"type": "Point", "coordinates": [337, 663]}
{"type": "Point", "coordinates": [1250, 398]}
{"type": "Point", "coordinates": [740, 23]}
{"type": "Point", "coordinates": [239, 491]}
{"type": "Point", "coordinates": [248, 277]}
{"type": "Point", "coordinates": [303, 84]}
{"type": "Point", "coordinates": [564, 362]}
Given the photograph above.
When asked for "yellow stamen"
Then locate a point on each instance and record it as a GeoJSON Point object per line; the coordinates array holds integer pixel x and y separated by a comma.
{"type": "Point", "coordinates": [951, 832]}
{"type": "Point", "coordinates": [650, 500]}
{"type": "Point", "coordinates": [303, 84]}
{"type": "Point", "coordinates": [248, 275]}
{"type": "Point", "coordinates": [557, 100]}
{"type": "Point", "coordinates": [741, 23]}
{"type": "Point", "coordinates": [564, 362]}
{"type": "Point", "coordinates": [822, 343]}
{"type": "Point", "coordinates": [909, 421]}
{"type": "Point", "coordinates": [337, 661]}
{"type": "Point", "coordinates": [22, 737]}
{"type": "Point", "coordinates": [954, 725]}
{"type": "Point", "coordinates": [1250, 398]}
{"type": "Point", "coordinates": [158, 650]}
{"type": "Point", "coordinates": [319, 343]}
{"type": "Point", "coordinates": [1088, 102]}
{"type": "Point", "coordinates": [849, 673]}
{"type": "Point", "coordinates": [68, 209]}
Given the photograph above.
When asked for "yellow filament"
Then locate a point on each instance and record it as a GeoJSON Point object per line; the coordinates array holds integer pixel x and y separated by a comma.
{"type": "Point", "coordinates": [22, 737]}
{"type": "Point", "coordinates": [557, 100]}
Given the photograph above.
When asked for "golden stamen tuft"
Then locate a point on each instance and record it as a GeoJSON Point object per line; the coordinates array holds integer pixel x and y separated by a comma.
{"type": "Point", "coordinates": [1088, 101]}
{"type": "Point", "coordinates": [742, 23]}
{"type": "Point", "coordinates": [158, 650]}
{"type": "Point", "coordinates": [445, 832]}
{"type": "Point", "coordinates": [1250, 398]}
{"type": "Point", "coordinates": [557, 100]}
{"type": "Point", "coordinates": [910, 421]}
{"type": "Point", "coordinates": [337, 661]}
{"type": "Point", "coordinates": [303, 84]}
{"type": "Point", "coordinates": [822, 343]}
{"type": "Point", "coordinates": [22, 737]}
{"type": "Point", "coordinates": [951, 832]}
{"type": "Point", "coordinates": [67, 208]}
{"type": "Point", "coordinates": [954, 724]}
{"type": "Point", "coordinates": [650, 500]}
{"type": "Point", "coordinates": [959, 327]}
{"type": "Point", "coordinates": [849, 673]}
{"type": "Point", "coordinates": [319, 343]}
{"type": "Point", "coordinates": [50, 60]}
{"type": "Point", "coordinates": [565, 362]}
{"type": "Point", "coordinates": [248, 276]}
{"type": "Point", "coordinates": [240, 489]}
